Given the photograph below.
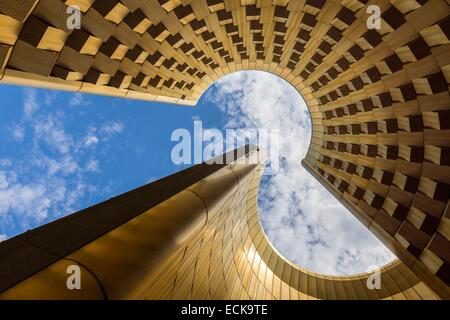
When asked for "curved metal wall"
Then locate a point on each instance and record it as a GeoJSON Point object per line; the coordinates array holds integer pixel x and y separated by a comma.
{"type": "Point", "coordinates": [204, 242]}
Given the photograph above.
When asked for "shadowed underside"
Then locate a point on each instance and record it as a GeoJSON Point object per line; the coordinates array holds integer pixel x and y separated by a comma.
{"type": "Point", "coordinates": [378, 100]}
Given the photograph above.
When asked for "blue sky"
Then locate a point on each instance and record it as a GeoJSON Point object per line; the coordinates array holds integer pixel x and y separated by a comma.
{"type": "Point", "coordinates": [61, 152]}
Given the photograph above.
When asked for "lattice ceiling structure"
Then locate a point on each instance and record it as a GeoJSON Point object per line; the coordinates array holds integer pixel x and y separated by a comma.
{"type": "Point", "coordinates": [378, 98]}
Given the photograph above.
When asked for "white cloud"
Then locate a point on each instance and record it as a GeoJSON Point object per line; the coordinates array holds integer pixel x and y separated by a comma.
{"type": "Point", "coordinates": [151, 179]}
{"type": "Point", "coordinates": [3, 237]}
{"type": "Point", "coordinates": [303, 221]}
{"type": "Point", "coordinates": [5, 162]}
{"type": "Point", "coordinates": [78, 99]}
{"type": "Point", "coordinates": [90, 140]}
{"type": "Point", "coordinates": [18, 132]}
{"type": "Point", "coordinates": [30, 201]}
{"type": "Point", "coordinates": [50, 130]}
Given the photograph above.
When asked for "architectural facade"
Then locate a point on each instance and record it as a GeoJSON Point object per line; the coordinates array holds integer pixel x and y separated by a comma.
{"type": "Point", "coordinates": [380, 110]}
